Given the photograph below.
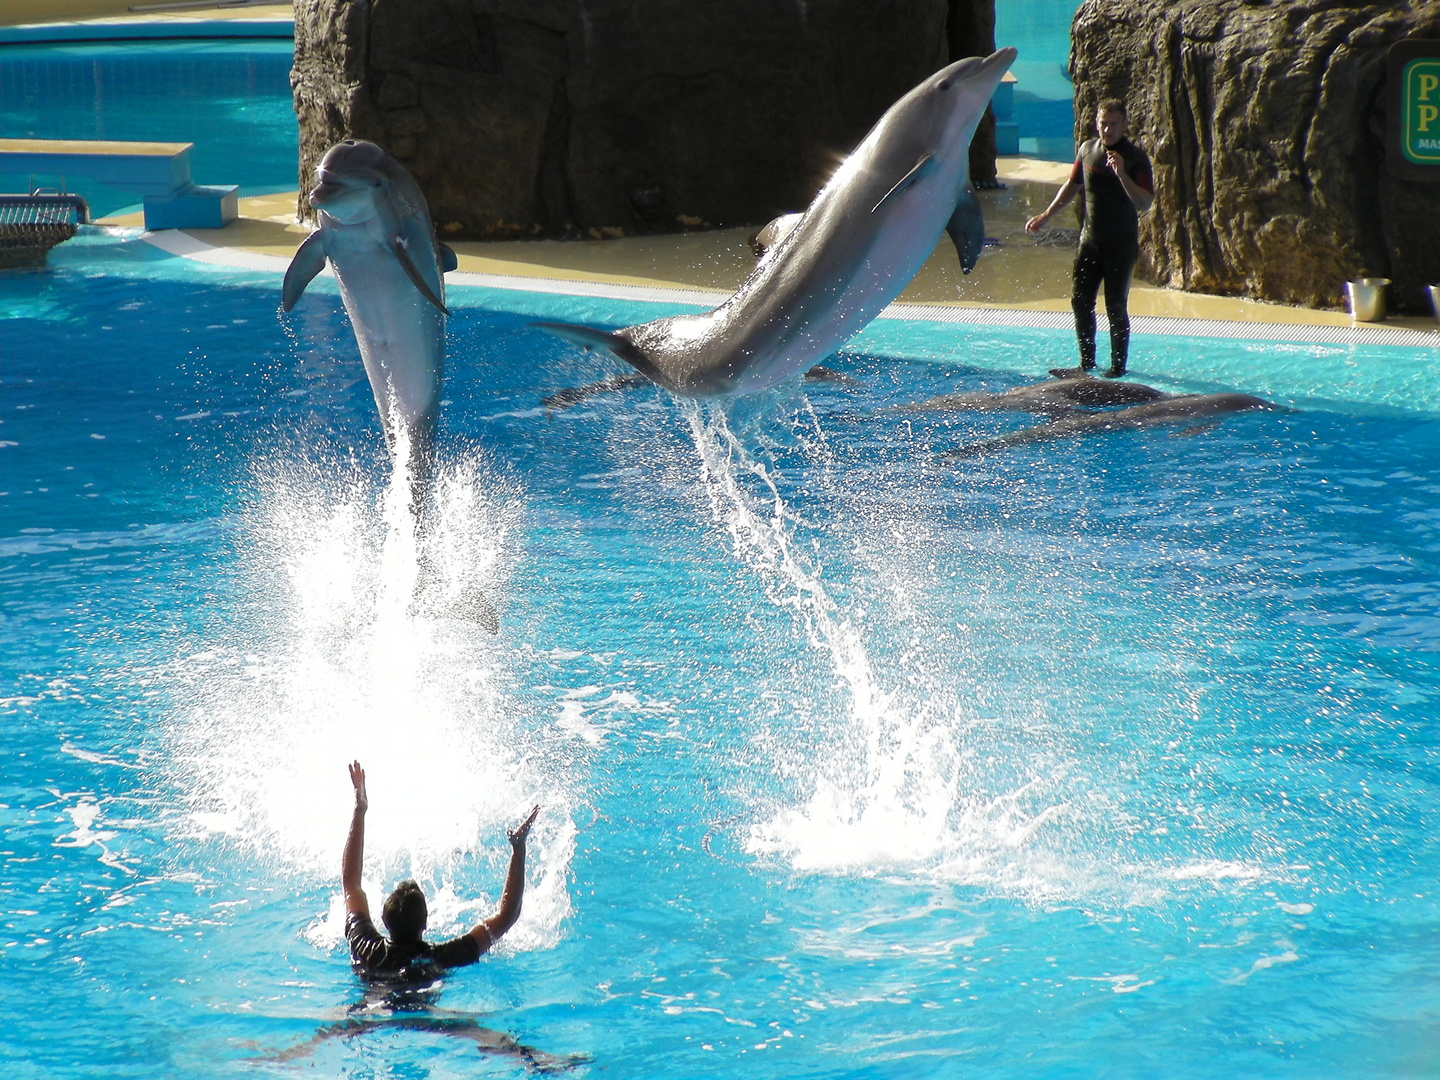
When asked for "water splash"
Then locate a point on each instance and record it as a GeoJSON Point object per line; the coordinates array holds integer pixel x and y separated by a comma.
{"type": "Point", "coordinates": [336, 655]}
{"type": "Point", "coordinates": [914, 777]}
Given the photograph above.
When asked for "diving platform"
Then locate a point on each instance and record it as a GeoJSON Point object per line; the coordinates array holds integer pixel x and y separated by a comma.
{"type": "Point", "coordinates": [159, 172]}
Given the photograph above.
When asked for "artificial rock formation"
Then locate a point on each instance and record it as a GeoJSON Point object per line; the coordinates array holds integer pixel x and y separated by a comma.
{"type": "Point", "coordinates": [604, 117]}
{"type": "Point", "coordinates": [1265, 121]}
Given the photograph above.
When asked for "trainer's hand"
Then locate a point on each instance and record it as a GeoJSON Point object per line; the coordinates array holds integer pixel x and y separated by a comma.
{"type": "Point", "coordinates": [1036, 223]}
{"type": "Point", "coordinates": [357, 778]}
{"type": "Point", "coordinates": [517, 835]}
{"type": "Point", "coordinates": [1116, 163]}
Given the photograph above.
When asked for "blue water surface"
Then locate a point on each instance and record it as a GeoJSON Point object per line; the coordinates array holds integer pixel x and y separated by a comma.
{"type": "Point", "coordinates": [1111, 758]}
{"type": "Point", "coordinates": [230, 98]}
{"type": "Point", "coordinates": [1044, 97]}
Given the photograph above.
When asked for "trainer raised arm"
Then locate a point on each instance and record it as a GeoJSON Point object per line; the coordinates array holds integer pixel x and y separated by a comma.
{"type": "Point", "coordinates": [406, 955]}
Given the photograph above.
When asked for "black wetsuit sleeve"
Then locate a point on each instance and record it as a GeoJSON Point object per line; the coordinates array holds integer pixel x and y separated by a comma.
{"type": "Point", "coordinates": [457, 952]}
{"type": "Point", "coordinates": [1139, 169]}
{"type": "Point", "coordinates": [367, 948]}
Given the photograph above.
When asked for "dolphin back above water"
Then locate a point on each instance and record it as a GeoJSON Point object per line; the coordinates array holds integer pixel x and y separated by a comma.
{"type": "Point", "coordinates": [375, 230]}
{"type": "Point", "coordinates": [1169, 410]}
{"type": "Point", "coordinates": [854, 249]}
{"type": "Point", "coordinates": [1056, 397]}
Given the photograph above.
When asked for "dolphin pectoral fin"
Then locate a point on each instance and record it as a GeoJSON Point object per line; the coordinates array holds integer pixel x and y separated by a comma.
{"type": "Point", "coordinates": [401, 253]}
{"type": "Point", "coordinates": [1198, 429]}
{"type": "Point", "coordinates": [309, 260]}
{"type": "Point", "coordinates": [448, 259]}
{"type": "Point", "coordinates": [967, 228]}
{"type": "Point", "coordinates": [920, 168]}
{"type": "Point", "coordinates": [587, 337]}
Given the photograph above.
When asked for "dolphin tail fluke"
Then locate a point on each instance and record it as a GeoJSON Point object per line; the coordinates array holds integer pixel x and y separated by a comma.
{"type": "Point", "coordinates": [588, 337]}
{"type": "Point", "coordinates": [967, 228]}
{"type": "Point", "coordinates": [309, 260]}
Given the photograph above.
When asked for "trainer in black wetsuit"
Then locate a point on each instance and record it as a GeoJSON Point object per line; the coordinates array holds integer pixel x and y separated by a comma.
{"type": "Point", "coordinates": [1115, 176]}
{"type": "Point", "coordinates": [406, 957]}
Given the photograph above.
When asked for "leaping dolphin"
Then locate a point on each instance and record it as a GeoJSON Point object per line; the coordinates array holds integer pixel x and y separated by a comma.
{"type": "Point", "coordinates": [858, 245]}
{"type": "Point", "coordinates": [1170, 410]}
{"type": "Point", "coordinates": [376, 231]}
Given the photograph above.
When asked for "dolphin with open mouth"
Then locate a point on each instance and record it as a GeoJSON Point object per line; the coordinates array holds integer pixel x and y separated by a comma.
{"type": "Point", "coordinates": [854, 249]}
{"type": "Point", "coordinates": [375, 230]}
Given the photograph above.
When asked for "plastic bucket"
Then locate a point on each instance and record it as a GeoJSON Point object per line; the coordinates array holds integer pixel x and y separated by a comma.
{"type": "Point", "coordinates": [1367, 298]}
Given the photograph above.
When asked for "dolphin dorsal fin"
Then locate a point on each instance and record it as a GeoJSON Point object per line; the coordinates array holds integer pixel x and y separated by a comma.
{"type": "Point", "coordinates": [309, 260]}
{"type": "Point", "coordinates": [448, 259]}
{"type": "Point", "coordinates": [967, 228]}
{"type": "Point", "coordinates": [919, 169]}
{"type": "Point", "coordinates": [403, 254]}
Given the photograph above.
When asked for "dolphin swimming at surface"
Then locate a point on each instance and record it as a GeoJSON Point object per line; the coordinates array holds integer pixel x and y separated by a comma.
{"type": "Point", "coordinates": [1054, 397]}
{"type": "Point", "coordinates": [854, 249]}
{"type": "Point", "coordinates": [1169, 410]}
{"type": "Point", "coordinates": [375, 229]}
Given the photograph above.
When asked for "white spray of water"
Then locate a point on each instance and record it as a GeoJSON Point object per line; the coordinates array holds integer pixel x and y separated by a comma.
{"type": "Point", "coordinates": [339, 656]}
{"type": "Point", "coordinates": [912, 779]}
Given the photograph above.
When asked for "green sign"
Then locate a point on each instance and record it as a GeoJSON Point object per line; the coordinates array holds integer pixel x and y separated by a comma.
{"type": "Point", "coordinates": [1412, 124]}
{"type": "Point", "coordinates": [1420, 112]}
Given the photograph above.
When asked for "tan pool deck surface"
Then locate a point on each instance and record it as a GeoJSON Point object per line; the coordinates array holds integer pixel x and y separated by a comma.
{"type": "Point", "coordinates": [35, 12]}
{"type": "Point", "coordinates": [1023, 272]}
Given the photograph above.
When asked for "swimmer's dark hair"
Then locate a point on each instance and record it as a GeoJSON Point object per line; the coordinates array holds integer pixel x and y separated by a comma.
{"type": "Point", "coordinates": [1109, 105]}
{"type": "Point", "coordinates": [405, 913]}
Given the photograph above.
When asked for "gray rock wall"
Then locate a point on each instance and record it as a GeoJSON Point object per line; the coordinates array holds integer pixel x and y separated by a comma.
{"type": "Point", "coordinates": [601, 117]}
{"type": "Point", "coordinates": [1265, 123]}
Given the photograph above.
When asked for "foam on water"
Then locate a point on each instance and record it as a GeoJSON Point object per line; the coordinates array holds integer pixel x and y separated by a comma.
{"type": "Point", "coordinates": [339, 656]}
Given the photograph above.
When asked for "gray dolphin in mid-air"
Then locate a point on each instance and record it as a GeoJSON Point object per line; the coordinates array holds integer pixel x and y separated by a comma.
{"type": "Point", "coordinates": [1169, 410]}
{"type": "Point", "coordinates": [376, 231]}
{"type": "Point", "coordinates": [858, 245]}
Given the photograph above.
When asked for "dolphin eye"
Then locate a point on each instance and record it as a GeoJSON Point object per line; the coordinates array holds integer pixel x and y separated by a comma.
{"type": "Point", "coordinates": [945, 85]}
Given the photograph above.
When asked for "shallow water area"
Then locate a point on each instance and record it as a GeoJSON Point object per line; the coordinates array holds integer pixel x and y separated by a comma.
{"type": "Point", "coordinates": [1101, 758]}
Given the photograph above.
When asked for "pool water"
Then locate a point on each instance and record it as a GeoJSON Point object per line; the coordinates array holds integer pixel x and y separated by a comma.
{"type": "Point", "coordinates": [1044, 97]}
{"type": "Point", "coordinates": [230, 98]}
{"type": "Point", "coordinates": [1104, 759]}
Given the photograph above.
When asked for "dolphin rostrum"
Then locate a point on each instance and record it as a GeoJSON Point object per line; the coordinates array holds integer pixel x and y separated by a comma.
{"type": "Point", "coordinates": [375, 229]}
{"type": "Point", "coordinates": [1169, 410]}
{"type": "Point", "coordinates": [858, 245]}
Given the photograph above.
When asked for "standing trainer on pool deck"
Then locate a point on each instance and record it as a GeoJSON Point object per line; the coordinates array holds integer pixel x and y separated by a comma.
{"type": "Point", "coordinates": [1115, 175]}
{"type": "Point", "coordinates": [407, 955]}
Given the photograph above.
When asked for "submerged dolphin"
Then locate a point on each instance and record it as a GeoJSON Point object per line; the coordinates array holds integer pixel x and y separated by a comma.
{"type": "Point", "coordinates": [1170, 410]}
{"type": "Point", "coordinates": [851, 253]}
{"type": "Point", "coordinates": [375, 229]}
{"type": "Point", "coordinates": [1057, 397]}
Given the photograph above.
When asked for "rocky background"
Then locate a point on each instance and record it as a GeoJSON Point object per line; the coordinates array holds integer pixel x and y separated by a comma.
{"type": "Point", "coordinates": [607, 117]}
{"type": "Point", "coordinates": [1265, 122]}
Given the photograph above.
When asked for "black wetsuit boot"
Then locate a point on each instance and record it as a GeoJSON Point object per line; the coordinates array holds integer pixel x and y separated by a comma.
{"type": "Point", "coordinates": [1119, 345]}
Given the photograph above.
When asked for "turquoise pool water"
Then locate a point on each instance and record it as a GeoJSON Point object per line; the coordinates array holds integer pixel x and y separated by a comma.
{"type": "Point", "coordinates": [230, 98]}
{"type": "Point", "coordinates": [1110, 759]}
{"type": "Point", "coordinates": [1044, 97]}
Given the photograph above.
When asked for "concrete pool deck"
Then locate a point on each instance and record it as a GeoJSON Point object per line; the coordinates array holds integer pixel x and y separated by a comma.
{"type": "Point", "coordinates": [111, 12]}
{"type": "Point", "coordinates": [1022, 274]}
